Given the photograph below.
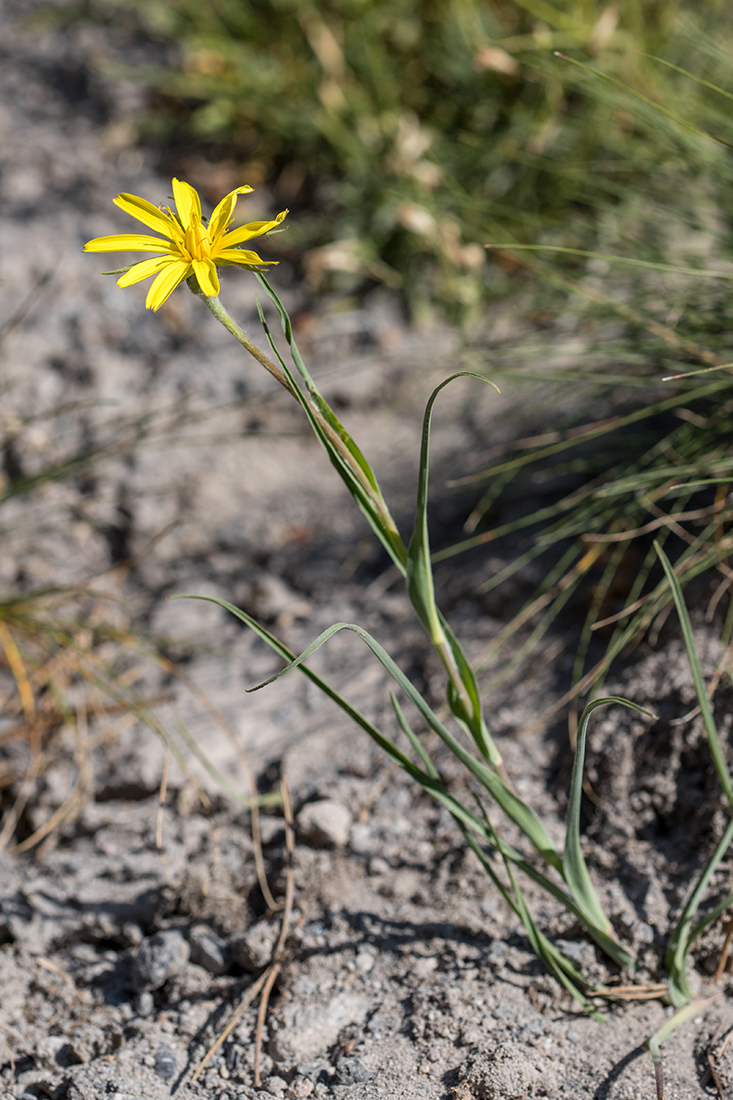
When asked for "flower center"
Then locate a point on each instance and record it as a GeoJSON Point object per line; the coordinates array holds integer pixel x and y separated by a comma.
{"type": "Point", "coordinates": [196, 241]}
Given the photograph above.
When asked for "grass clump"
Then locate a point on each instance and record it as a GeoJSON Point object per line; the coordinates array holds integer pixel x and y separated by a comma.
{"type": "Point", "coordinates": [407, 133]}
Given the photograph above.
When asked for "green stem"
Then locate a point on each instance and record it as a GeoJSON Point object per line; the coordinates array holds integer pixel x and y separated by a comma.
{"type": "Point", "coordinates": [214, 306]}
{"type": "Point", "coordinates": [440, 642]}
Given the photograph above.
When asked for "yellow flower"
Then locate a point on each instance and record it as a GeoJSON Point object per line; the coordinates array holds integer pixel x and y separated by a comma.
{"type": "Point", "coordinates": [190, 247]}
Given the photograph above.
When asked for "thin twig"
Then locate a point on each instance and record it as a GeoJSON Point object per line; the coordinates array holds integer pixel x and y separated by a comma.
{"type": "Point", "coordinates": [276, 962]}
{"type": "Point", "coordinates": [246, 1000]}
{"type": "Point", "coordinates": [711, 1058]}
{"type": "Point", "coordinates": [631, 992]}
{"type": "Point", "coordinates": [74, 801]}
{"type": "Point", "coordinates": [267, 979]}
{"type": "Point", "coordinates": [272, 974]}
{"type": "Point", "coordinates": [161, 798]}
{"type": "Point", "coordinates": [725, 951]}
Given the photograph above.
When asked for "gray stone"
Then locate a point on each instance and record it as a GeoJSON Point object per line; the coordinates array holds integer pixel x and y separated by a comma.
{"type": "Point", "coordinates": [145, 1003]}
{"type": "Point", "coordinates": [165, 1063]}
{"type": "Point", "coordinates": [208, 950]}
{"type": "Point", "coordinates": [351, 1071]}
{"type": "Point", "coordinates": [307, 1030]}
{"type": "Point", "coordinates": [325, 824]}
{"type": "Point", "coordinates": [275, 1085]}
{"type": "Point", "coordinates": [253, 949]}
{"type": "Point", "coordinates": [159, 957]}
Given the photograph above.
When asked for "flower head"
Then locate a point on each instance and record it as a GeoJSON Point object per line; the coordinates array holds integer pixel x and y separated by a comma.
{"type": "Point", "coordinates": [189, 246]}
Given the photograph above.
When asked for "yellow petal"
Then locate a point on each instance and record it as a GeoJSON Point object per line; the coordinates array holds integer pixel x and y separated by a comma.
{"type": "Point", "coordinates": [223, 212]}
{"type": "Point", "coordinates": [129, 242]}
{"type": "Point", "coordinates": [253, 229]}
{"type": "Point", "coordinates": [243, 257]}
{"type": "Point", "coordinates": [208, 280]}
{"type": "Point", "coordinates": [145, 212]}
{"type": "Point", "coordinates": [165, 283]}
{"type": "Point", "coordinates": [143, 270]}
{"type": "Point", "coordinates": [188, 203]}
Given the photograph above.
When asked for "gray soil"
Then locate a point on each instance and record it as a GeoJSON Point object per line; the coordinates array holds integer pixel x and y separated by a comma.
{"type": "Point", "coordinates": [129, 936]}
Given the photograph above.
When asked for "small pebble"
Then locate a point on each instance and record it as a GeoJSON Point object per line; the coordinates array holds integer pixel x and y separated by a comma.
{"type": "Point", "coordinates": [325, 824]}
{"type": "Point", "coordinates": [350, 1071]}
{"type": "Point", "coordinates": [145, 1004]}
{"type": "Point", "coordinates": [364, 961]}
{"type": "Point", "coordinates": [165, 1063]}
{"type": "Point", "coordinates": [275, 1085]}
{"type": "Point", "coordinates": [253, 949]}
{"type": "Point", "coordinates": [132, 933]}
{"type": "Point", "coordinates": [207, 950]}
{"type": "Point", "coordinates": [159, 957]}
{"type": "Point", "coordinates": [301, 1088]}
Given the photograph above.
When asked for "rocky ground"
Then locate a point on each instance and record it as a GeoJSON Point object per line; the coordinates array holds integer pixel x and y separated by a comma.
{"type": "Point", "coordinates": [130, 937]}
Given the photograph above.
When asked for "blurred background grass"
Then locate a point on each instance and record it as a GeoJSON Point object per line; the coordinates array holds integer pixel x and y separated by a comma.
{"type": "Point", "coordinates": [407, 134]}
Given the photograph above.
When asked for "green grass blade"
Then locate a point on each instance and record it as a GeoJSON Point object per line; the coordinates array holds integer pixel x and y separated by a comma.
{"type": "Point", "coordinates": [555, 962]}
{"type": "Point", "coordinates": [473, 721]}
{"type": "Point", "coordinates": [513, 806]}
{"type": "Point", "coordinates": [670, 1026]}
{"type": "Point", "coordinates": [576, 871]}
{"type": "Point", "coordinates": [368, 498]}
{"type": "Point", "coordinates": [710, 917]}
{"type": "Point", "coordinates": [421, 591]}
{"type": "Point", "coordinates": [716, 750]}
{"type": "Point", "coordinates": [682, 935]}
{"type": "Point", "coordinates": [419, 568]}
{"type": "Point", "coordinates": [288, 331]}
{"type": "Point", "coordinates": [315, 393]}
{"type": "Point", "coordinates": [515, 809]}
{"type": "Point", "coordinates": [671, 268]}
{"type": "Point", "coordinates": [680, 121]}
{"type": "Point", "coordinates": [413, 738]}
{"type": "Point", "coordinates": [687, 73]}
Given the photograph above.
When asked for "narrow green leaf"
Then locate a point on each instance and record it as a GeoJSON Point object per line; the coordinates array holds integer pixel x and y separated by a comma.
{"type": "Point", "coordinates": [419, 569]}
{"type": "Point", "coordinates": [413, 738]}
{"type": "Point", "coordinates": [288, 330]}
{"type": "Point", "coordinates": [670, 1026]}
{"type": "Point", "coordinates": [473, 721]}
{"type": "Point", "coordinates": [710, 917]}
{"type": "Point", "coordinates": [517, 810]}
{"type": "Point", "coordinates": [574, 865]}
{"type": "Point", "coordinates": [421, 591]}
{"type": "Point", "coordinates": [315, 393]}
{"type": "Point", "coordinates": [678, 120]}
{"type": "Point", "coordinates": [370, 503]}
{"type": "Point", "coordinates": [429, 780]}
{"type": "Point", "coordinates": [682, 935]}
{"type": "Point", "coordinates": [671, 268]}
{"type": "Point", "coordinates": [687, 73]}
{"type": "Point", "coordinates": [560, 967]}
{"type": "Point", "coordinates": [700, 690]}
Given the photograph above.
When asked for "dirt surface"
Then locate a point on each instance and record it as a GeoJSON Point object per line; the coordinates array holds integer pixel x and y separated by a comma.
{"type": "Point", "coordinates": [129, 938]}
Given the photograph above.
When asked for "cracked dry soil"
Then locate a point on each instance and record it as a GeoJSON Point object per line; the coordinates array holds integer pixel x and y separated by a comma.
{"type": "Point", "coordinates": [128, 939]}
